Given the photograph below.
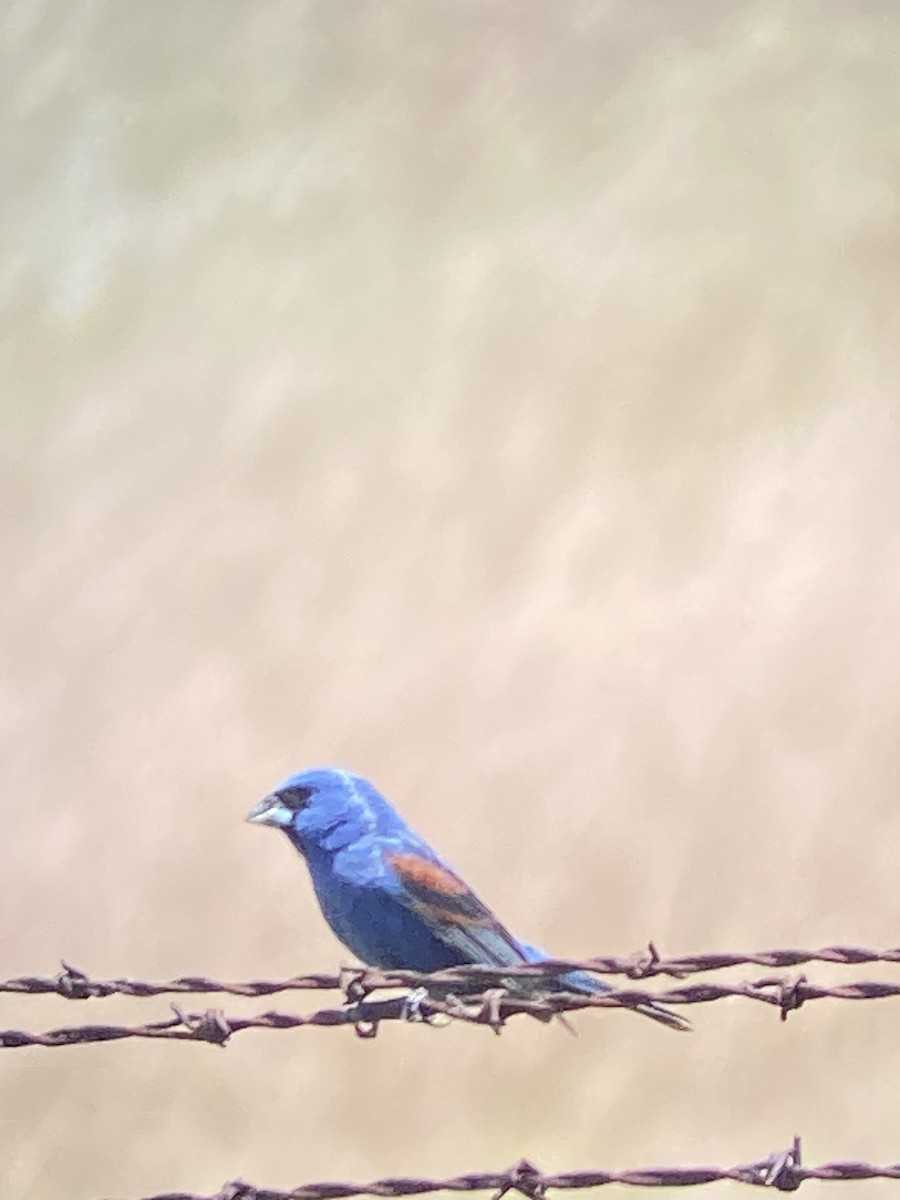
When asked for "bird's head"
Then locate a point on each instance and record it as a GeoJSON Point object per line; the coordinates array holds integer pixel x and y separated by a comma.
{"type": "Point", "coordinates": [323, 809]}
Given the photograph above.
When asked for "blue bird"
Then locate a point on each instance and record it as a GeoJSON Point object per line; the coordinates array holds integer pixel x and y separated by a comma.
{"type": "Point", "coordinates": [387, 895]}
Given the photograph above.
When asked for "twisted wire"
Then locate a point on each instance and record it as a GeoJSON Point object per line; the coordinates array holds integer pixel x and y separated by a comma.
{"type": "Point", "coordinates": [492, 1008]}
{"type": "Point", "coordinates": [781, 1171]}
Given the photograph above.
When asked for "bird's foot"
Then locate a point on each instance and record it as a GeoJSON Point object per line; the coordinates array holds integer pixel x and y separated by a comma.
{"type": "Point", "coordinates": [412, 1008]}
{"type": "Point", "coordinates": [412, 1005]}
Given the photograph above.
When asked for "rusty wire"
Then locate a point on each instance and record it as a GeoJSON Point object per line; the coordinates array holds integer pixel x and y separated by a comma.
{"type": "Point", "coordinates": [74, 984]}
{"type": "Point", "coordinates": [782, 1171]}
{"type": "Point", "coordinates": [492, 1008]}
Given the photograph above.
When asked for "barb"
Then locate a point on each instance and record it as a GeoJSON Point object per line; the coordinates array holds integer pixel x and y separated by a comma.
{"type": "Point", "coordinates": [74, 984]}
{"type": "Point", "coordinates": [781, 1171]}
{"type": "Point", "coordinates": [492, 1008]}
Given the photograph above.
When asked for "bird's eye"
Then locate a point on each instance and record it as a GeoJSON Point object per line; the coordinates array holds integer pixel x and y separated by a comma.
{"type": "Point", "coordinates": [295, 798]}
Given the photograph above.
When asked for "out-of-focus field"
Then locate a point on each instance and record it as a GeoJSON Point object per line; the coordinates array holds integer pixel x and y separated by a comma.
{"type": "Point", "coordinates": [499, 399]}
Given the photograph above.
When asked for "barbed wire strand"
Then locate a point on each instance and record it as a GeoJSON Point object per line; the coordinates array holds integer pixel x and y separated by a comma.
{"type": "Point", "coordinates": [74, 984]}
{"type": "Point", "coordinates": [782, 1171]}
{"type": "Point", "coordinates": [492, 1008]}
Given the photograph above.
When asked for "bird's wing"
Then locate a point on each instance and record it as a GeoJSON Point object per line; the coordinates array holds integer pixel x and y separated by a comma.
{"type": "Point", "coordinates": [452, 911]}
{"type": "Point", "coordinates": [455, 915]}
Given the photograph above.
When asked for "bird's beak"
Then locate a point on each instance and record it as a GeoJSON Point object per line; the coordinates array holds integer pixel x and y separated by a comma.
{"type": "Point", "coordinates": [271, 810]}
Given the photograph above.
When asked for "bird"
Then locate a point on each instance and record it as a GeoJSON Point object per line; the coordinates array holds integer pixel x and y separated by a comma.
{"type": "Point", "coordinates": [389, 897]}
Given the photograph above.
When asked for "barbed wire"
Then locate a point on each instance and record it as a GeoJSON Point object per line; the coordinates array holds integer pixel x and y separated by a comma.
{"type": "Point", "coordinates": [74, 984]}
{"type": "Point", "coordinates": [782, 1171]}
{"type": "Point", "coordinates": [492, 1008]}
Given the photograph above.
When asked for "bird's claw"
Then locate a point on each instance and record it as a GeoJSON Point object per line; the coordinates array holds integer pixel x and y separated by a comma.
{"type": "Point", "coordinates": [412, 1008]}
{"type": "Point", "coordinates": [412, 1005]}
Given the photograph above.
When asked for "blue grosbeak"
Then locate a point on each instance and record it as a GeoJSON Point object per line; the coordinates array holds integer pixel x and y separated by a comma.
{"type": "Point", "coordinates": [386, 894]}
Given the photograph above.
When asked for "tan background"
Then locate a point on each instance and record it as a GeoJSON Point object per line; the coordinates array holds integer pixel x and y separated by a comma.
{"type": "Point", "coordinates": [499, 399]}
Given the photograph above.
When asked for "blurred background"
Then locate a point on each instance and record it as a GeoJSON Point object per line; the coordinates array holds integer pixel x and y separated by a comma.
{"type": "Point", "coordinates": [500, 400]}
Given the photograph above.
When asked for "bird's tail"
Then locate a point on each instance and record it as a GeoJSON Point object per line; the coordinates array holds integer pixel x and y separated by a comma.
{"type": "Point", "coordinates": [581, 981]}
{"type": "Point", "coordinates": [665, 1016]}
